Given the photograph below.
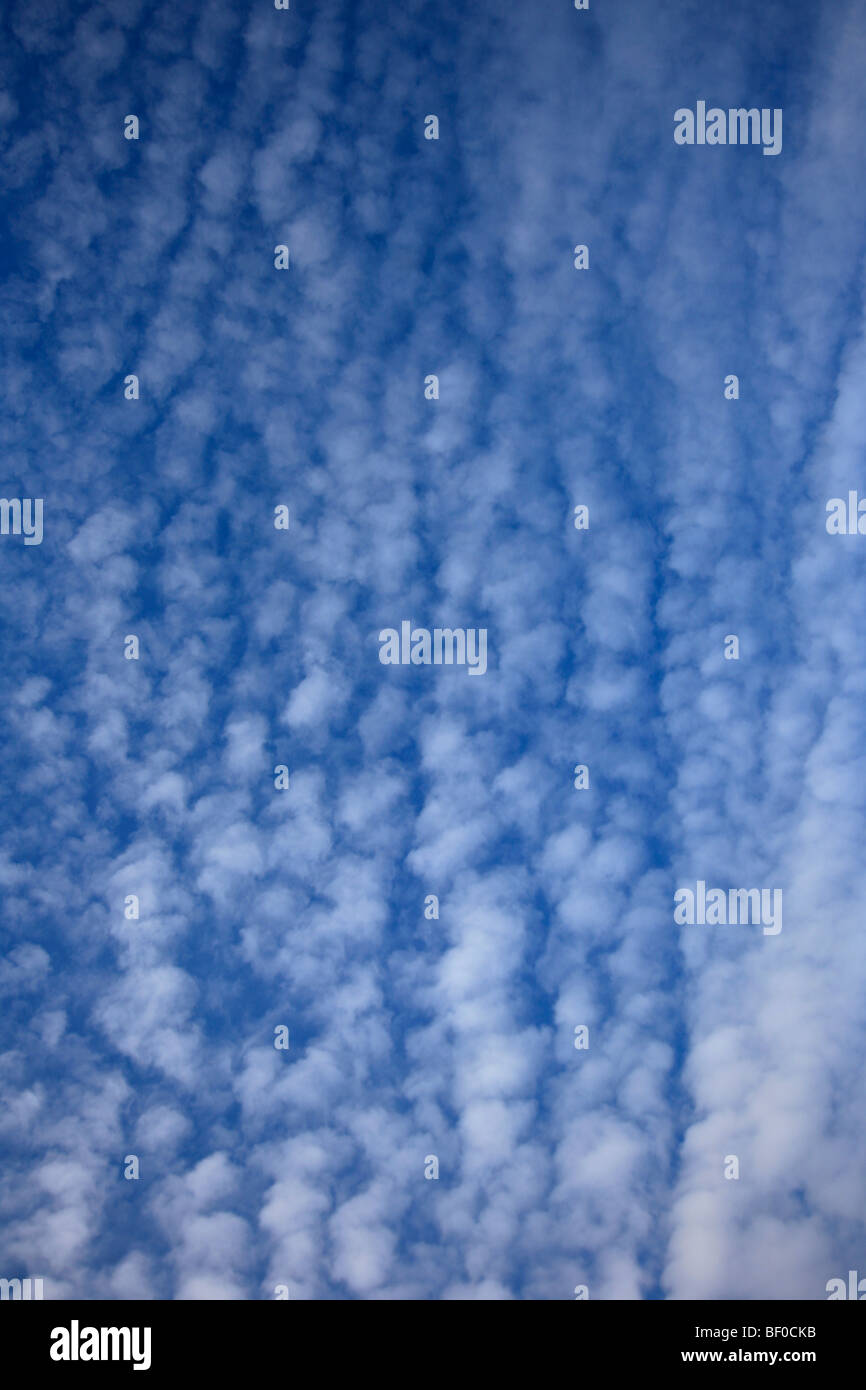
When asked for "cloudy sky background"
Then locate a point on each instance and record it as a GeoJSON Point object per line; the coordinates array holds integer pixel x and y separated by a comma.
{"type": "Point", "coordinates": [306, 908]}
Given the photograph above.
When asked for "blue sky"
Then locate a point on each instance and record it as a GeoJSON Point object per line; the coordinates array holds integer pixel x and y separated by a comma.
{"type": "Point", "coordinates": [259, 648]}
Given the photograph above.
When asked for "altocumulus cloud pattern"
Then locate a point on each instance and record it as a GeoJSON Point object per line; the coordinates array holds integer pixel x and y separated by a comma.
{"type": "Point", "coordinates": [345, 342]}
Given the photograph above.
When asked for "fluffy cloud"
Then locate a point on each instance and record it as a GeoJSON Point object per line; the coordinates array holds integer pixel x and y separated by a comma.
{"type": "Point", "coordinates": [417, 1036]}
